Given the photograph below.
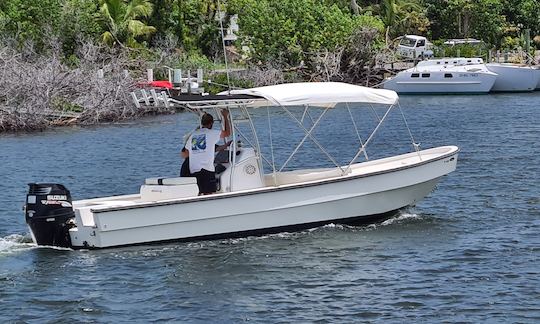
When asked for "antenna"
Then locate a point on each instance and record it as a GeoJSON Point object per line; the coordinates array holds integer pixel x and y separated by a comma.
{"type": "Point", "coordinates": [223, 43]}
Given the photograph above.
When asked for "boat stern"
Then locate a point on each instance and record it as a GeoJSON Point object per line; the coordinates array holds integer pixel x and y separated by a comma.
{"type": "Point", "coordinates": [49, 214]}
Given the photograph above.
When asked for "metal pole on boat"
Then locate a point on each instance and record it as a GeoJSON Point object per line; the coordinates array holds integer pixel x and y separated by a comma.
{"type": "Point", "coordinates": [233, 152]}
{"type": "Point", "coordinates": [368, 140]}
{"type": "Point", "coordinates": [221, 16]}
{"type": "Point", "coordinates": [356, 129]}
{"type": "Point", "coordinates": [415, 145]}
{"type": "Point", "coordinates": [257, 143]}
{"type": "Point", "coordinates": [308, 134]}
{"type": "Point", "coordinates": [271, 147]}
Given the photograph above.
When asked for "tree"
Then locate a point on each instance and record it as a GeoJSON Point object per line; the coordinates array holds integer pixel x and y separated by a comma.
{"type": "Point", "coordinates": [29, 20]}
{"type": "Point", "coordinates": [122, 21]}
{"type": "Point", "coordinates": [287, 32]}
{"type": "Point", "coordinates": [400, 17]}
{"type": "Point", "coordinates": [162, 18]}
{"type": "Point", "coordinates": [79, 21]}
{"type": "Point", "coordinates": [480, 19]}
{"type": "Point", "coordinates": [192, 22]}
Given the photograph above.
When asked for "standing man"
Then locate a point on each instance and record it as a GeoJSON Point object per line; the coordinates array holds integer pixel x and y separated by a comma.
{"type": "Point", "coordinates": [201, 147]}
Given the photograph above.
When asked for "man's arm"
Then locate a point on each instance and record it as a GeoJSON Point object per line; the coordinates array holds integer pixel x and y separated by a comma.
{"type": "Point", "coordinates": [227, 131]}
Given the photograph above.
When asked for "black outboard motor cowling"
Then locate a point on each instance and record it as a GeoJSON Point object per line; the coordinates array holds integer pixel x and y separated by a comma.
{"type": "Point", "coordinates": [49, 214]}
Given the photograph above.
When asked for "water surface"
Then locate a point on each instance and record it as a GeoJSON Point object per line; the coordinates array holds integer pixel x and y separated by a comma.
{"type": "Point", "coordinates": [467, 253]}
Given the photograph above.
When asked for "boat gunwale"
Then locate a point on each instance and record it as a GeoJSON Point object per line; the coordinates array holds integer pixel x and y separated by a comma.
{"type": "Point", "coordinates": [454, 150]}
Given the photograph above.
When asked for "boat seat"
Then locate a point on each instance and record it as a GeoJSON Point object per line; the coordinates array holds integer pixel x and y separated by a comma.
{"type": "Point", "coordinates": [178, 181]}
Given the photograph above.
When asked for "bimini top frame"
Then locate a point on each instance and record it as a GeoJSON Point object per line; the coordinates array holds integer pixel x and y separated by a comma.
{"type": "Point", "coordinates": [318, 94]}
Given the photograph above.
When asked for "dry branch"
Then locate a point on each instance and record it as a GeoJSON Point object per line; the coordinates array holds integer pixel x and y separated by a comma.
{"type": "Point", "coordinates": [41, 90]}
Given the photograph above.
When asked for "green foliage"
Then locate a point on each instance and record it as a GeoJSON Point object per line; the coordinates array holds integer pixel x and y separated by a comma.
{"type": "Point", "coordinates": [284, 32]}
{"type": "Point", "coordinates": [37, 21]}
{"type": "Point", "coordinates": [523, 13]}
{"type": "Point", "coordinates": [193, 61]}
{"type": "Point", "coordinates": [26, 20]}
{"type": "Point", "coordinates": [194, 23]}
{"type": "Point", "coordinates": [480, 19]}
{"type": "Point", "coordinates": [79, 21]}
{"type": "Point", "coordinates": [287, 31]}
{"type": "Point", "coordinates": [462, 50]}
{"type": "Point", "coordinates": [121, 19]}
{"type": "Point", "coordinates": [401, 17]}
{"type": "Point", "coordinates": [219, 81]}
{"type": "Point", "coordinates": [510, 43]}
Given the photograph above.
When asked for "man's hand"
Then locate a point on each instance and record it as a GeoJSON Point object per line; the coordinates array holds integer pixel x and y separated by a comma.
{"type": "Point", "coordinates": [227, 131]}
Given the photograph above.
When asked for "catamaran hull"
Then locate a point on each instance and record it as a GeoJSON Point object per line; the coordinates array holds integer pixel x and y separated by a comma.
{"type": "Point", "coordinates": [266, 210]}
{"type": "Point", "coordinates": [437, 83]}
{"type": "Point", "coordinates": [513, 78]}
{"type": "Point", "coordinates": [537, 71]}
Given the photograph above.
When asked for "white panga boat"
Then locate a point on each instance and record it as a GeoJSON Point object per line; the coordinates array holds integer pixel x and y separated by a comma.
{"type": "Point", "coordinates": [444, 76]}
{"type": "Point", "coordinates": [251, 201]}
{"type": "Point", "coordinates": [514, 77]}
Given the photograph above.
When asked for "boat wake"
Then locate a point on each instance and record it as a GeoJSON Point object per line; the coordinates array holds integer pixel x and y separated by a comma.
{"type": "Point", "coordinates": [402, 216]}
{"type": "Point", "coordinates": [15, 242]}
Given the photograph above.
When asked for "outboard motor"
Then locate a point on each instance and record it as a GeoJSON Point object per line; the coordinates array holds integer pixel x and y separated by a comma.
{"type": "Point", "coordinates": [49, 214]}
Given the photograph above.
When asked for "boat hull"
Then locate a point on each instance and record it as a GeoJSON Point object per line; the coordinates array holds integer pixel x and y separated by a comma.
{"type": "Point", "coordinates": [513, 78]}
{"type": "Point", "coordinates": [437, 83]}
{"type": "Point", "coordinates": [367, 193]}
{"type": "Point", "coordinates": [537, 71]}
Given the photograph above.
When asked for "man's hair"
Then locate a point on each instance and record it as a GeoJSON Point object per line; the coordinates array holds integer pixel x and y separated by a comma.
{"type": "Point", "coordinates": [206, 119]}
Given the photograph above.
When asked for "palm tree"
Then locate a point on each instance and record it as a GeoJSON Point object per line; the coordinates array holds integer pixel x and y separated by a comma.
{"type": "Point", "coordinates": [396, 13]}
{"type": "Point", "coordinates": [122, 18]}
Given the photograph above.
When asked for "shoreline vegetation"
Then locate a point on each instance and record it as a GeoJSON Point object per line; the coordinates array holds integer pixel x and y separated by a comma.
{"type": "Point", "coordinates": [76, 62]}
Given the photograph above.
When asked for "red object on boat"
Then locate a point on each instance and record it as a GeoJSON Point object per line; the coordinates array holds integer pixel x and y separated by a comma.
{"type": "Point", "coordinates": [161, 84]}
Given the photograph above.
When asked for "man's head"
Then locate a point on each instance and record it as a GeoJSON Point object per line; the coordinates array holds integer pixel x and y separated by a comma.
{"type": "Point", "coordinates": [207, 121]}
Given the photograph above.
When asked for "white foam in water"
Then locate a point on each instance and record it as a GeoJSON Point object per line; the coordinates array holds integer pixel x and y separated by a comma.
{"type": "Point", "coordinates": [403, 215]}
{"type": "Point", "coordinates": [15, 242]}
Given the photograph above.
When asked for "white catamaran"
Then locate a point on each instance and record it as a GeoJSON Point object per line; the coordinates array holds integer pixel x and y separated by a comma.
{"type": "Point", "coordinates": [250, 200]}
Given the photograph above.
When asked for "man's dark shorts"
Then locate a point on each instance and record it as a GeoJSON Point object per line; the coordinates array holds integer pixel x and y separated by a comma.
{"type": "Point", "coordinates": [206, 180]}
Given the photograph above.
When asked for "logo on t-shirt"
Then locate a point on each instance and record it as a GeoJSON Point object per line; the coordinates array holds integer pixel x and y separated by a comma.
{"type": "Point", "coordinates": [198, 142]}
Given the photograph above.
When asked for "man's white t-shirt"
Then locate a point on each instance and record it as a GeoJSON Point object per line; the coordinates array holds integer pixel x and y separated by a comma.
{"type": "Point", "coordinates": [202, 148]}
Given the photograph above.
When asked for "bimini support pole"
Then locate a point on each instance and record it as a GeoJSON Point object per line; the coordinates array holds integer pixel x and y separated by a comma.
{"type": "Point", "coordinates": [273, 164]}
{"type": "Point", "coordinates": [357, 133]}
{"type": "Point", "coordinates": [363, 147]}
{"type": "Point", "coordinates": [415, 145]}
{"type": "Point", "coordinates": [308, 134]}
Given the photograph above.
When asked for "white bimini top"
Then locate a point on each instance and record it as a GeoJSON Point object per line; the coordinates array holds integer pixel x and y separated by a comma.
{"type": "Point", "coordinates": [319, 94]}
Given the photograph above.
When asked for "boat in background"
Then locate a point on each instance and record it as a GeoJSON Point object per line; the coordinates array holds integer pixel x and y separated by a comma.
{"type": "Point", "coordinates": [514, 77]}
{"type": "Point", "coordinates": [537, 71]}
{"type": "Point", "coordinates": [444, 76]}
{"type": "Point", "coordinates": [251, 200]}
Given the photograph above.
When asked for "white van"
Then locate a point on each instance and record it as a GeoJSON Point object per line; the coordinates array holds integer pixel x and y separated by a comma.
{"type": "Point", "coordinates": [414, 47]}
